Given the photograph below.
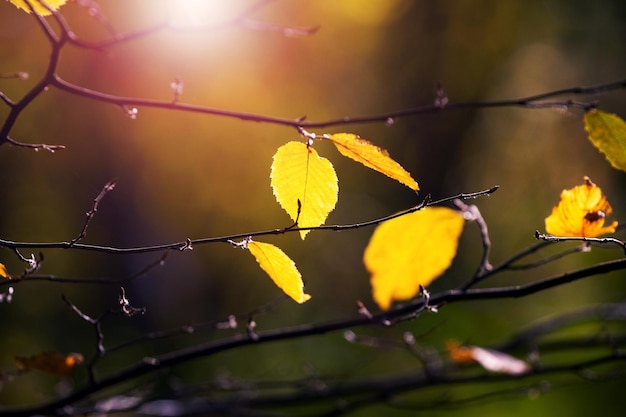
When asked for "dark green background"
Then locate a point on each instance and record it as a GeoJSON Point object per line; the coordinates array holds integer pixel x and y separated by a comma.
{"type": "Point", "coordinates": [186, 175]}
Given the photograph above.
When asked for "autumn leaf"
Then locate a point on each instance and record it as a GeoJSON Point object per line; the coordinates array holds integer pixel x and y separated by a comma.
{"type": "Point", "coordinates": [37, 5]}
{"type": "Point", "coordinates": [580, 212]}
{"type": "Point", "coordinates": [280, 268]}
{"type": "Point", "coordinates": [56, 363]}
{"type": "Point", "coordinates": [491, 360]}
{"type": "Point", "coordinates": [305, 184]}
{"type": "Point", "coordinates": [371, 156]}
{"type": "Point", "coordinates": [410, 251]}
{"type": "Point", "coordinates": [3, 272]}
{"type": "Point", "coordinates": [607, 132]}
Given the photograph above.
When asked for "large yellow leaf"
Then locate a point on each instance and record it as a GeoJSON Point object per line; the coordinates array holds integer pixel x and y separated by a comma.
{"type": "Point", "coordinates": [607, 132]}
{"type": "Point", "coordinates": [280, 268]}
{"type": "Point", "coordinates": [39, 9]}
{"type": "Point", "coordinates": [580, 212]}
{"type": "Point", "coordinates": [410, 251]}
{"type": "Point", "coordinates": [372, 157]}
{"type": "Point", "coordinates": [305, 184]}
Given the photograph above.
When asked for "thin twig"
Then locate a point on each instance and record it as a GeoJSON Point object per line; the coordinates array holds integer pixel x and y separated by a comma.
{"type": "Point", "coordinates": [109, 186]}
{"type": "Point", "coordinates": [471, 212]}
{"type": "Point", "coordinates": [228, 239]}
{"type": "Point", "coordinates": [602, 240]}
{"type": "Point", "coordinates": [531, 102]}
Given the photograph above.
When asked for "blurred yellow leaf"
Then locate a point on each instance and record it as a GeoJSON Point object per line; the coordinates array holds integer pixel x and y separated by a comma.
{"type": "Point", "coordinates": [491, 360]}
{"type": "Point", "coordinates": [607, 132]}
{"type": "Point", "coordinates": [580, 212]}
{"type": "Point", "coordinates": [3, 272]}
{"type": "Point", "coordinates": [410, 251]}
{"type": "Point", "coordinates": [56, 363]}
{"type": "Point", "coordinates": [37, 5]}
{"type": "Point", "coordinates": [305, 184]}
{"type": "Point", "coordinates": [280, 268]}
{"type": "Point", "coordinates": [372, 157]}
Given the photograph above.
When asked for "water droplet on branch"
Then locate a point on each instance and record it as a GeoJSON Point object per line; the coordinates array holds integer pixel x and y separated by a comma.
{"type": "Point", "coordinates": [131, 112]}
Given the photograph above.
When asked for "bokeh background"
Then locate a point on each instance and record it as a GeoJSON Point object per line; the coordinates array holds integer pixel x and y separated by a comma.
{"type": "Point", "coordinates": [183, 175]}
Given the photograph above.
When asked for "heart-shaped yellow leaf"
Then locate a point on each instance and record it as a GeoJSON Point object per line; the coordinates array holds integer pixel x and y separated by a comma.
{"type": "Point", "coordinates": [39, 9]}
{"type": "Point", "coordinates": [607, 132]}
{"type": "Point", "coordinates": [410, 251]}
{"type": "Point", "coordinates": [280, 268]}
{"type": "Point", "coordinates": [304, 183]}
{"type": "Point", "coordinates": [580, 212]}
{"type": "Point", "coordinates": [371, 156]}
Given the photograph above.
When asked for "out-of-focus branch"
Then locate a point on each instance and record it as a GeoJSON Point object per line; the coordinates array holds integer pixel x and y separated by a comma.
{"type": "Point", "coordinates": [241, 340]}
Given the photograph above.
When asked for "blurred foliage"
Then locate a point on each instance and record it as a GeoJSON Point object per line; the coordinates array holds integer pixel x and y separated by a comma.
{"type": "Point", "coordinates": [183, 175]}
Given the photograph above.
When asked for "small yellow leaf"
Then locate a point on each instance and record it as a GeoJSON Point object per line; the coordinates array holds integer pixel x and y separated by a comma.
{"type": "Point", "coordinates": [305, 184]}
{"type": "Point", "coordinates": [410, 251]}
{"type": "Point", "coordinates": [3, 272]}
{"type": "Point", "coordinates": [607, 132]}
{"type": "Point", "coordinates": [56, 363]}
{"type": "Point", "coordinates": [37, 5]}
{"type": "Point", "coordinates": [280, 268]}
{"type": "Point", "coordinates": [371, 156]}
{"type": "Point", "coordinates": [580, 212]}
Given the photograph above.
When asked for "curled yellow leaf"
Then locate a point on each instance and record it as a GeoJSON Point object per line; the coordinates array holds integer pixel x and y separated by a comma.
{"type": "Point", "coordinates": [410, 251]}
{"type": "Point", "coordinates": [37, 5]}
{"type": "Point", "coordinates": [371, 156]}
{"type": "Point", "coordinates": [580, 212]}
{"type": "Point", "coordinates": [280, 268]}
{"type": "Point", "coordinates": [304, 184]}
{"type": "Point", "coordinates": [607, 132]}
{"type": "Point", "coordinates": [490, 359]}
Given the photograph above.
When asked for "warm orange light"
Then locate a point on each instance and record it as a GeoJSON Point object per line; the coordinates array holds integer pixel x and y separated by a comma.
{"type": "Point", "coordinates": [189, 13]}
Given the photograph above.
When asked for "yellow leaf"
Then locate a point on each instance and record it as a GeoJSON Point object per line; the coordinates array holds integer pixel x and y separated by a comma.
{"type": "Point", "coordinates": [52, 362]}
{"type": "Point", "coordinates": [3, 272]}
{"type": "Point", "coordinates": [410, 251]}
{"type": "Point", "coordinates": [580, 212]}
{"type": "Point", "coordinates": [305, 184]}
{"type": "Point", "coordinates": [372, 157]}
{"type": "Point", "coordinates": [37, 5]}
{"type": "Point", "coordinates": [280, 268]}
{"type": "Point", "coordinates": [607, 132]}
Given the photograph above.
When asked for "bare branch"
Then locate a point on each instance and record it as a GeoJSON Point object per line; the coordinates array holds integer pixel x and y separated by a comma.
{"type": "Point", "coordinates": [231, 238]}
{"type": "Point", "coordinates": [109, 186]}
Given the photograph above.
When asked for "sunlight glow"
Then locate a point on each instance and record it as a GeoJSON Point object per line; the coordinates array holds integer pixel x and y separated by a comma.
{"type": "Point", "coordinates": [199, 12]}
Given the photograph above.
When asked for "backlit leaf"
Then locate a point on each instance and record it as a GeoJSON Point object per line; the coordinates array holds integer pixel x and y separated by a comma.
{"type": "Point", "coordinates": [491, 360]}
{"type": "Point", "coordinates": [56, 363]}
{"type": "Point", "coordinates": [39, 8]}
{"type": "Point", "coordinates": [3, 272]}
{"type": "Point", "coordinates": [280, 268]}
{"type": "Point", "coordinates": [305, 184]}
{"type": "Point", "coordinates": [410, 251]}
{"type": "Point", "coordinates": [372, 157]}
{"type": "Point", "coordinates": [607, 132]}
{"type": "Point", "coordinates": [580, 212]}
